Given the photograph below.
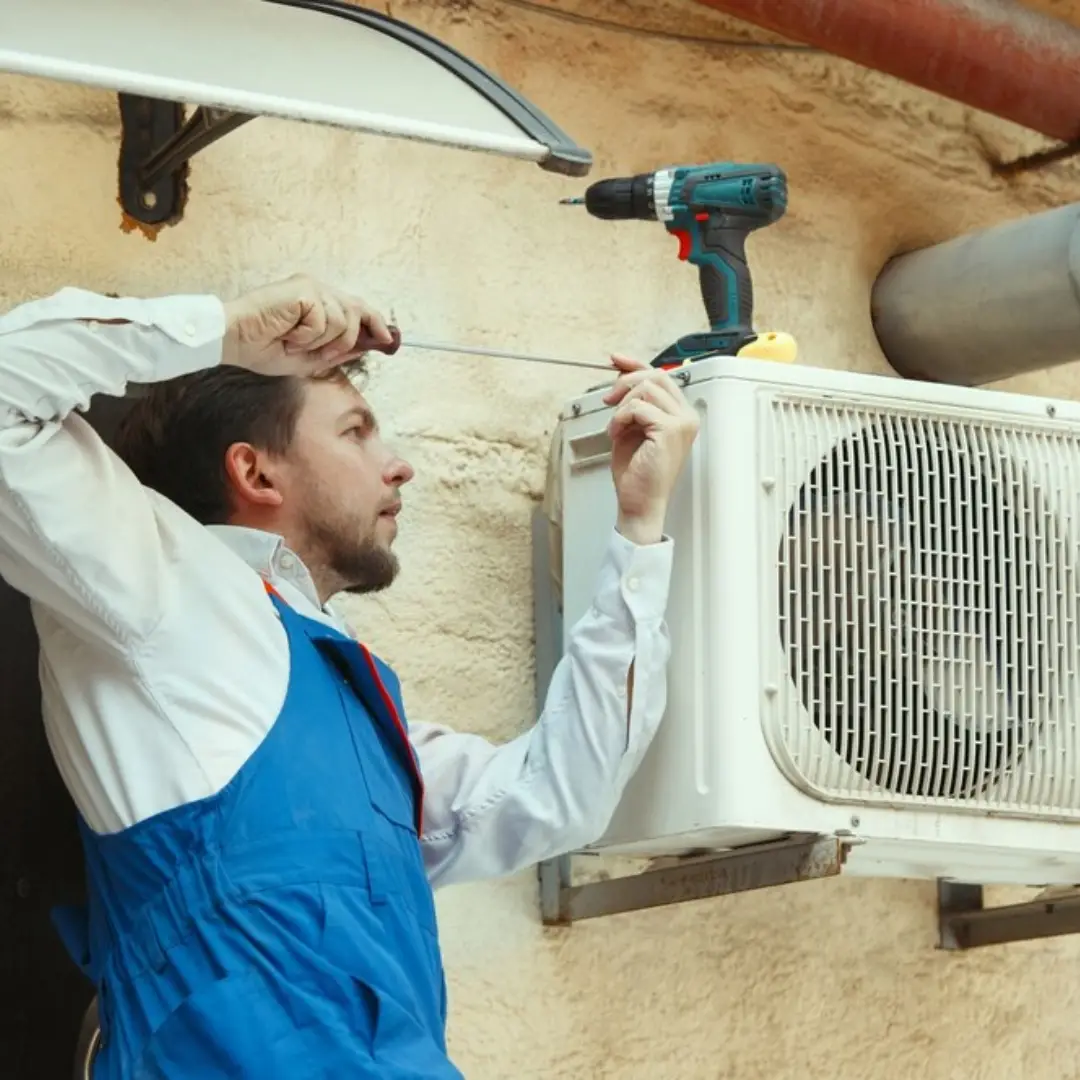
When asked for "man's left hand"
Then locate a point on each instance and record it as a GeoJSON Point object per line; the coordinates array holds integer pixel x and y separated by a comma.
{"type": "Point", "coordinates": [652, 431]}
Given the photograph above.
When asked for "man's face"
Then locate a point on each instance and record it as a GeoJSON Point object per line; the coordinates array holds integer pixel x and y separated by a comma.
{"type": "Point", "coordinates": [343, 490]}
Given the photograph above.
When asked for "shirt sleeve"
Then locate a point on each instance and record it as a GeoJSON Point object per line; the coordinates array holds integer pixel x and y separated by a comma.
{"type": "Point", "coordinates": [77, 530]}
{"type": "Point", "coordinates": [493, 810]}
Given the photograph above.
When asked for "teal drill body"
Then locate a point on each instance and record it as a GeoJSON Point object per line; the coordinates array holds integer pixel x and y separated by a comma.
{"type": "Point", "coordinates": [711, 208]}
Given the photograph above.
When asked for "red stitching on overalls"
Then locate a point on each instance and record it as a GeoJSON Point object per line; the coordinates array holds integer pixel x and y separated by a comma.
{"type": "Point", "coordinates": [388, 701]}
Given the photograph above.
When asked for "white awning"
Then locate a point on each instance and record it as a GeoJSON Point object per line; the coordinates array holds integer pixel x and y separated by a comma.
{"type": "Point", "coordinates": [319, 60]}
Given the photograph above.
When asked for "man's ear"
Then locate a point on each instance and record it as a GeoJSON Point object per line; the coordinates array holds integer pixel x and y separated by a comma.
{"type": "Point", "coordinates": [251, 476]}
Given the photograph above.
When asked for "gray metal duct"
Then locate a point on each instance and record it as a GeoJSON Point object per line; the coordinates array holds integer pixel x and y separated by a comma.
{"type": "Point", "coordinates": [986, 306]}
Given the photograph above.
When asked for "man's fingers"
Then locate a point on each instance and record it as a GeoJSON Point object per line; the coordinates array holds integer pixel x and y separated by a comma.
{"type": "Point", "coordinates": [637, 412]}
{"type": "Point", "coordinates": [654, 402]}
{"type": "Point", "coordinates": [309, 325]}
{"type": "Point", "coordinates": [373, 330]}
{"type": "Point", "coordinates": [669, 399]}
{"type": "Point", "coordinates": [349, 343]}
{"type": "Point", "coordinates": [335, 325]}
{"type": "Point", "coordinates": [627, 363]}
{"type": "Point", "coordinates": [337, 328]}
{"type": "Point", "coordinates": [640, 396]}
{"type": "Point", "coordinates": [630, 382]}
{"type": "Point", "coordinates": [346, 343]}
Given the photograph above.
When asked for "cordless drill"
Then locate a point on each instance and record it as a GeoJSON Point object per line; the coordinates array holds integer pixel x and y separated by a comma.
{"type": "Point", "coordinates": [711, 209]}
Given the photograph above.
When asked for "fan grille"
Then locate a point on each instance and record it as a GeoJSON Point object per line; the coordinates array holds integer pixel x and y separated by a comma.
{"type": "Point", "coordinates": [928, 605]}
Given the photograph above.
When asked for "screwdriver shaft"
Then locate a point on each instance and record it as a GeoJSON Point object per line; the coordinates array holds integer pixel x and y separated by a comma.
{"type": "Point", "coordinates": [477, 350]}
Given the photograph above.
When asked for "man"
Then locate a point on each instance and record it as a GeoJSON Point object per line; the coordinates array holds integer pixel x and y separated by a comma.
{"type": "Point", "coordinates": [262, 828]}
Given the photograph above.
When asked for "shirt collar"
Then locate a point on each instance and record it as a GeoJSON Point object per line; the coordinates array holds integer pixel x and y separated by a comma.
{"type": "Point", "coordinates": [267, 554]}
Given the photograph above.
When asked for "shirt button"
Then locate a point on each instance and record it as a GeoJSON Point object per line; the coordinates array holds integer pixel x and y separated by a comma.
{"type": "Point", "coordinates": [189, 329]}
{"type": "Point", "coordinates": [632, 583]}
{"type": "Point", "coordinates": [286, 562]}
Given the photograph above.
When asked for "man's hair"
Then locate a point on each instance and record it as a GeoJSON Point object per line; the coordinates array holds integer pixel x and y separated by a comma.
{"type": "Point", "coordinates": [175, 434]}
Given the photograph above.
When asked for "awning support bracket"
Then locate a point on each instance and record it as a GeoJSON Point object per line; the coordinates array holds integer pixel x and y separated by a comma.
{"type": "Point", "coordinates": [156, 145]}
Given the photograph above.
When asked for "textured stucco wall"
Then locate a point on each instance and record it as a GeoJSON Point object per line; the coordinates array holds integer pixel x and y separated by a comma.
{"type": "Point", "coordinates": [828, 980]}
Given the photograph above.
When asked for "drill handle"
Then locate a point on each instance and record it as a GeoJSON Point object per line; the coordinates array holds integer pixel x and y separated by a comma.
{"type": "Point", "coordinates": [724, 275]}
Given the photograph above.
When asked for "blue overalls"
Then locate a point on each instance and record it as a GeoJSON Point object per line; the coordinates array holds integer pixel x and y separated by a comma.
{"type": "Point", "coordinates": [284, 927]}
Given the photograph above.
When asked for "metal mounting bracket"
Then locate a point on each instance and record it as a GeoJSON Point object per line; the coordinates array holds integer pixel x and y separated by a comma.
{"type": "Point", "coordinates": [156, 144]}
{"type": "Point", "coordinates": [801, 857]}
{"type": "Point", "coordinates": [964, 922]}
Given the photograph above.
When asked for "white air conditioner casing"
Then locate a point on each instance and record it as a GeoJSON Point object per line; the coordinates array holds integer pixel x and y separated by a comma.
{"type": "Point", "coordinates": [875, 622]}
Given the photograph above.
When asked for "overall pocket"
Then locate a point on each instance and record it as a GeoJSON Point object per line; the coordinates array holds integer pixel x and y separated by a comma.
{"type": "Point", "coordinates": [395, 861]}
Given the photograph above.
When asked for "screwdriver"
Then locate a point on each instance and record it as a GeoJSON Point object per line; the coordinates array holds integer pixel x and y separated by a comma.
{"type": "Point", "coordinates": [478, 350]}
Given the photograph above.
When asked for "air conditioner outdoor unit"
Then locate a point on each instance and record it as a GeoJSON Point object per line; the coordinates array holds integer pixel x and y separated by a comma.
{"type": "Point", "coordinates": [875, 620]}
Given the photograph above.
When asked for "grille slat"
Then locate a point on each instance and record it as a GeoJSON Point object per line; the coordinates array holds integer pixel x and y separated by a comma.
{"type": "Point", "coordinates": [927, 607]}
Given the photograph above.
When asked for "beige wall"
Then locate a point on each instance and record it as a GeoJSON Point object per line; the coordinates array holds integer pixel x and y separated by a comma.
{"type": "Point", "coordinates": [836, 979]}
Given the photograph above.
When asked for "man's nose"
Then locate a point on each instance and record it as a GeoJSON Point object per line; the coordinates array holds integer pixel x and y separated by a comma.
{"type": "Point", "coordinates": [400, 472]}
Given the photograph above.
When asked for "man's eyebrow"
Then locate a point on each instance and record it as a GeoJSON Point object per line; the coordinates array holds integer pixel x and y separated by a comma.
{"type": "Point", "coordinates": [364, 415]}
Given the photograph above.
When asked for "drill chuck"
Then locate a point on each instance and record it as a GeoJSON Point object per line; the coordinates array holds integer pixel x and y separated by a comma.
{"type": "Point", "coordinates": [623, 198]}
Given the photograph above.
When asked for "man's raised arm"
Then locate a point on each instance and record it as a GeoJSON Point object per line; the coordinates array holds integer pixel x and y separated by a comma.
{"type": "Point", "coordinates": [77, 530]}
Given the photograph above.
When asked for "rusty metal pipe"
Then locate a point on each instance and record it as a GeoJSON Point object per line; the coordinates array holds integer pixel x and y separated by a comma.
{"type": "Point", "coordinates": [993, 55]}
{"type": "Point", "coordinates": [985, 306]}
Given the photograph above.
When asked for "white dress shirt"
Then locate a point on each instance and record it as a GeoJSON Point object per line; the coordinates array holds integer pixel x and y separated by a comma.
{"type": "Point", "coordinates": [164, 663]}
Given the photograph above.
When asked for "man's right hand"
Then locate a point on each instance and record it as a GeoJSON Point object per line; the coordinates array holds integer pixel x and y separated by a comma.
{"type": "Point", "coordinates": [300, 326]}
{"type": "Point", "coordinates": [653, 428]}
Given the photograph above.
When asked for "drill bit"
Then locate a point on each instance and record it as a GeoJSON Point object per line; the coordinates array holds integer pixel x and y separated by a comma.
{"type": "Point", "coordinates": [476, 350]}
{"type": "Point", "coordinates": [574, 200]}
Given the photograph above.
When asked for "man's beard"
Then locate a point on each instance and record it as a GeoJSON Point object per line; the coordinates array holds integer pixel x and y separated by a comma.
{"type": "Point", "coordinates": [357, 564]}
{"type": "Point", "coordinates": [368, 567]}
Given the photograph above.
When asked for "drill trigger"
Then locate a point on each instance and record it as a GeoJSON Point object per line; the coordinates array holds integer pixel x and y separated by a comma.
{"type": "Point", "coordinates": [685, 243]}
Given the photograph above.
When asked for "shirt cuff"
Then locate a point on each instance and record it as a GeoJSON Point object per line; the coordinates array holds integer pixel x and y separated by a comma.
{"type": "Point", "coordinates": [196, 321]}
{"type": "Point", "coordinates": [635, 578]}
